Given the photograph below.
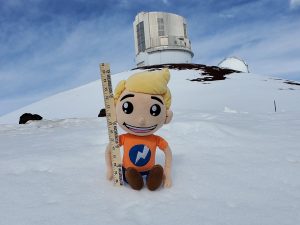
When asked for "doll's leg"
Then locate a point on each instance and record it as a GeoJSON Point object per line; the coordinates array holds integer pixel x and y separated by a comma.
{"type": "Point", "coordinates": [155, 177]}
{"type": "Point", "coordinates": [134, 178]}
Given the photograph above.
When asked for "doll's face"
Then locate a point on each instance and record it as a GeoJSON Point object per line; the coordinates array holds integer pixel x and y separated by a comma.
{"type": "Point", "coordinates": [141, 114]}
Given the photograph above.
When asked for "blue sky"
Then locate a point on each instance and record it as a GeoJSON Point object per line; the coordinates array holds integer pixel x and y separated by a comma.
{"type": "Point", "coordinates": [48, 46]}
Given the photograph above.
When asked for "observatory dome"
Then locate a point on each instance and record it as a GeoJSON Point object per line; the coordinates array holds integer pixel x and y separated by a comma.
{"type": "Point", "coordinates": [234, 63]}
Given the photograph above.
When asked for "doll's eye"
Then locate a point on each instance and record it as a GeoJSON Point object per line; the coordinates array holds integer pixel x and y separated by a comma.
{"type": "Point", "coordinates": [155, 110]}
{"type": "Point", "coordinates": [127, 107]}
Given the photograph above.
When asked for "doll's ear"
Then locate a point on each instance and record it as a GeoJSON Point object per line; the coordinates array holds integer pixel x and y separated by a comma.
{"type": "Point", "coordinates": [169, 116]}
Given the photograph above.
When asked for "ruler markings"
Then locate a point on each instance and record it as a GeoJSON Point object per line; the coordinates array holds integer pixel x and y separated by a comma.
{"type": "Point", "coordinates": [111, 124]}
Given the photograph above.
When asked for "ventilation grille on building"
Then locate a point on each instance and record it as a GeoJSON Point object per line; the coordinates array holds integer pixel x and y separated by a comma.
{"type": "Point", "coordinates": [140, 37]}
{"type": "Point", "coordinates": [161, 27]}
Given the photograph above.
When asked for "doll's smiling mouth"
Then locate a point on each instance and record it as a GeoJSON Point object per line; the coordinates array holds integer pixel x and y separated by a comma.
{"type": "Point", "coordinates": [139, 129]}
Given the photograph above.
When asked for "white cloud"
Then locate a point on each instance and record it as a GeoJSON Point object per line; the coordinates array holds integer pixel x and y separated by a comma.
{"type": "Point", "coordinates": [294, 4]}
{"type": "Point", "coordinates": [67, 59]}
{"type": "Point", "coordinates": [269, 49]}
{"type": "Point", "coordinates": [166, 2]}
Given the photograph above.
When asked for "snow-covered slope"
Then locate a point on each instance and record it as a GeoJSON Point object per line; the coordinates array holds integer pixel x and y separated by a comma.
{"type": "Point", "coordinates": [236, 161]}
{"type": "Point", "coordinates": [241, 92]}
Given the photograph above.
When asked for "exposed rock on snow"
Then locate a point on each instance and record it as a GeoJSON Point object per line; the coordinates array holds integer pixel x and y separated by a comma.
{"type": "Point", "coordinates": [29, 117]}
{"type": "Point", "coordinates": [292, 82]}
{"type": "Point", "coordinates": [102, 113]}
{"type": "Point", "coordinates": [207, 73]}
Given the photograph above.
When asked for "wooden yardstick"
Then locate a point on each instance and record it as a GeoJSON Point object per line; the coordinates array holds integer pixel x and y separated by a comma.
{"type": "Point", "coordinates": [111, 124]}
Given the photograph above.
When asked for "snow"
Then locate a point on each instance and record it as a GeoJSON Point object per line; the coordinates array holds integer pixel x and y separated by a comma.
{"type": "Point", "coordinates": [228, 110]}
{"type": "Point", "coordinates": [245, 92]}
{"type": "Point", "coordinates": [234, 63]}
{"type": "Point", "coordinates": [236, 161]}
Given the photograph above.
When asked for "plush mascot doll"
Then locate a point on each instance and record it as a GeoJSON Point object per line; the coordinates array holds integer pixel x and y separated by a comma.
{"type": "Point", "coordinates": [142, 107]}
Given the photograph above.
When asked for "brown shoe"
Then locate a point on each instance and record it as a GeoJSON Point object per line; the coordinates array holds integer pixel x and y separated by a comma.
{"type": "Point", "coordinates": [155, 177]}
{"type": "Point", "coordinates": [134, 178]}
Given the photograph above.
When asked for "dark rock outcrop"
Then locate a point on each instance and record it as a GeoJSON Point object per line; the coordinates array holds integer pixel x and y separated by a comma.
{"type": "Point", "coordinates": [292, 82]}
{"type": "Point", "coordinates": [207, 73]}
{"type": "Point", "coordinates": [28, 116]}
{"type": "Point", "coordinates": [102, 113]}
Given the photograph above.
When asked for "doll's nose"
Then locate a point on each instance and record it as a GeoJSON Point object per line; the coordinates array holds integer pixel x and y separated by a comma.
{"type": "Point", "coordinates": [141, 121]}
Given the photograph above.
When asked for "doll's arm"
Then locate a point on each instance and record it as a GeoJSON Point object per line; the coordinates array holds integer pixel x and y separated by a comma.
{"type": "Point", "coordinates": [167, 169]}
{"type": "Point", "coordinates": [109, 170]}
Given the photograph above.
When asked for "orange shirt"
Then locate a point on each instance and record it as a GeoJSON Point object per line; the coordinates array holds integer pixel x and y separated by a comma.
{"type": "Point", "coordinates": [139, 151]}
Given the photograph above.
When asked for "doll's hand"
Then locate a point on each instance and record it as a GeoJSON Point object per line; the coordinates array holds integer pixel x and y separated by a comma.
{"type": "Point", "coordinates": [167, 181]}
{"type": "Point", "coordinates": [109, 174]}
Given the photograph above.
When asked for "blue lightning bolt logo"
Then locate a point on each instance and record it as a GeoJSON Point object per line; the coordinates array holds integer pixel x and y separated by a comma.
{"type": "Point", "coordinates": [140, 155]}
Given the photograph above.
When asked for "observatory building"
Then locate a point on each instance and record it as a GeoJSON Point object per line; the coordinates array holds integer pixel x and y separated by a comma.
{"type": "Point", "coordinates": [161, 38]}
{"type": "Point", "coordinates": [234, 63]}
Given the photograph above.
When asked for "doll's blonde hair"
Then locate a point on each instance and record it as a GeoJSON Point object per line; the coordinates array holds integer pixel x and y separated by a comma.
{"type": "Point", "coordinates": [148, 82]}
